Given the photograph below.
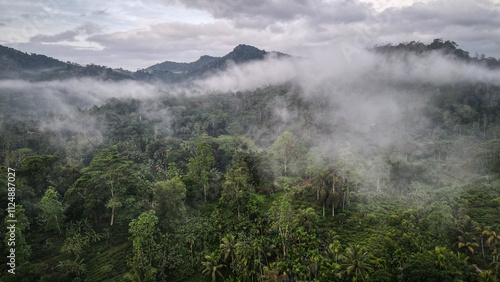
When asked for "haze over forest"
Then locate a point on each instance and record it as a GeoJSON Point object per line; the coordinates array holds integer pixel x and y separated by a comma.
{"type": "Point", "coordinates": [339, 157]}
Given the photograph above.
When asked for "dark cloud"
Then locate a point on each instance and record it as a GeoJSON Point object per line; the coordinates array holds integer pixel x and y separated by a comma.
{"type": "Point", "coordinates": [250, 12]}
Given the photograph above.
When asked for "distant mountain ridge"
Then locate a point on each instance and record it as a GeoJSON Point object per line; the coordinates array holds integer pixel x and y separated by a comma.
{"type": "Point", "coordinates": [177, 72]}
{"type": "Point", "coordinates": [15, 64]}
{"type": "Point", "coordinates": [181, 67]}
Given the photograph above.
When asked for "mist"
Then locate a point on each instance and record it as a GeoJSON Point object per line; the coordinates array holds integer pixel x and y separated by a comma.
{"type": "Point", "coordinates": [370, 91]}
{"type": "Point", "coordinates": [370, 101]}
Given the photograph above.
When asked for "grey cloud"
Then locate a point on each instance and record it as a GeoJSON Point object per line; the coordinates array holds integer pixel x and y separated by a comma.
{"type": "Point", "coordinates": [102, 12]}
{"type": "Point", "coordinates": [293, 27]}
{"type": "Point", "coordinates": [249, 12]}
{"type": "Point", "coordinates": [69, 35]}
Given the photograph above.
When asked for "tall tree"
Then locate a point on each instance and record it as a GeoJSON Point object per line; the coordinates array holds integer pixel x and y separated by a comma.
{"type": "Point", "coordinates": [169, 199]}
{"type": "Point", "coordinates": [236, 186]}
{"type": "Point", "coordinates": [228, 245]}
{"type": "Point", "coordinates": [200, 166]}
{"type": "Point", "coordinates": [315, 165]}
{"type": "Point", "coordinates": [144, 232]}
{"type": "Point", "coordinates": [212, 267]}
{"type": "Point", "coordinates": [282, 215]}
{"type": "Point", "coordinates": [285, 147]}
{"type": "Point", "coordinates": [355, 263]}
{"type": "Point", "coordinates": [52, 210]}
{"type": "Point", "coordinates": [110, 181]}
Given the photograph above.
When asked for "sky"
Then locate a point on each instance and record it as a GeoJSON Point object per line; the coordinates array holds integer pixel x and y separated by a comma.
{"type": "Point", "coordinates": [137, 34]}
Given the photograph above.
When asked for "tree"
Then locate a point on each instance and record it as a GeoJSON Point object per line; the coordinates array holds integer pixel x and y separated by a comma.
{"type": "Point", "coordinates": [480, 231]}
{"type": "Point", "coordinates": [110, 181]}
{"type": "Point", "coordinates": [228, 246]}
{"type": "Point", "coordinates": [39, 171]}
{"type": "Point", "coordinates": [355, 263]}
{"type": "Point", "coordinates": [79, 235]}
{"type": "Point", "coordinates": [467, 242]}
{"type": "Point", "coordinates": [52, 210]}
{"type": "Point", "coordinates": [281, 214]}
{"type": "Point", "coordinates": [284, 147]}
{"type": "Point", "coordinates": [320, 184]}
{"type": "Point", "coordinates": [236, 186]}
{"type": "Point", "coordinates": [144, 232]}
{"type": "Point", "coordinates": [211, 266]}
{"type": "Point", "coordinates": [492, 236]}
{"type": "Point", "coordinates": [315, 165]}
{"type": "Point", "coordinates": [200, 166]}
{"type": "Point", "coordinates": [190, 239]}
{"type": "Point", "coordinates": [169, 199]}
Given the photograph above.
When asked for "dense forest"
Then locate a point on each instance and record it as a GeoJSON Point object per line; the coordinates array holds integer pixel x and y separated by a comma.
{"type": "Point", "coordinates": [370, 178]}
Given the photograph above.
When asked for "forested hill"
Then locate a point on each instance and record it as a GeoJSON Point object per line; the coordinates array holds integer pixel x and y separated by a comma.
{"type": "Point", "coordinates": [446, 47]}
{"type": "Point", "coordinates": [19, 65]}
{"type": "Point", "coordinates": [380, 169]}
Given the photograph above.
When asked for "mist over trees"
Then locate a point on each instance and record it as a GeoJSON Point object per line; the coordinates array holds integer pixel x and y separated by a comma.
{"type": "Point", "coordinates": [256, 166]}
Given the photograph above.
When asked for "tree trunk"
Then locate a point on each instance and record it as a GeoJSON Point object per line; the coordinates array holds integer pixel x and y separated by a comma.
{"type": "Point", "coordinates": [205, 193]}
{"type": "Point", "coordinates": [333, 198]}
{"type": "Point", "coordinates": [482, 247]}
{"type": "Point", "coordinates": [323, 209]}
{"type": "Point", "coordinates": [192, 261]}
{"type": "Point", "coordinates": [282, 241]}
{"type": "Point", "coordinates": [284, 164]}
{"type": "Point", "coordinates": [113, 207]}
{"type": "Point", "coordinates": [343, 202]}
{"type": "Point", "coordinates": [112, 215]}
{"type": "Point", "coordinates": [57, 223]}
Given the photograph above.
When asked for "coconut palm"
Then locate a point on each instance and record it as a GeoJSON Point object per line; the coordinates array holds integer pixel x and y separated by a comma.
{"type": "Point", "coordinates": [480, 230]}
{"type": "Point", "coordinates": [190, 240]}
{"type": "Point", "coordinates": [355, 263]}
{"type": "Point", "coordinates": [468, 242]}
{"type": "Point", "coordinates": [211, 266]}
{"type": "Point", "coordinates": [492, 236]}
{"type": "Point", "coordinates": [228, 247]}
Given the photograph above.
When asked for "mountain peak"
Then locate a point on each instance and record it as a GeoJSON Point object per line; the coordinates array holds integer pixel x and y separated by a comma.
{"type": "Point", "coordinates": [244, 53]}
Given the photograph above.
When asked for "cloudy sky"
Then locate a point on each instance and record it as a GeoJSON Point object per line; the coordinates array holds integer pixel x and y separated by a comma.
{"type": "Point", "coordinates": [135, 34]}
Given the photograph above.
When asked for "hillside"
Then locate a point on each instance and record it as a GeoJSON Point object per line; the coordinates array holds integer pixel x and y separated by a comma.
{"type": "Point", "coordinates": [19, 65]}
{"type": "Point", "coordinates": [387, 164]}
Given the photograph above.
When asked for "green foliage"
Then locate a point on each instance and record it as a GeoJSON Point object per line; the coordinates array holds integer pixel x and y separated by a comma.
{"type": "Point", "coordinates": [236, 187]}
{"type": "Point", "coordinates": [144, 235]}
{"type": "Point", "coordinates": [52, 210]}
{"type": "Point", "coordinates": [110, 181]}
{"type": "Point", "coordinates": [169, 199]}
{"type": "Point", "coordinates": [79, 236]}
{"type": "Point", "coordinates": [187, 201]}
{"type": "Point", "coordinates": [200, 166]}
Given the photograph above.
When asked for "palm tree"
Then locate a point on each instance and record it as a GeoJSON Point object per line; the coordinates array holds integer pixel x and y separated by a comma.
{"type": "Point", "coordinates": [485, 275]}
{"type": "Point", "coordinates": [355, 263]}
{"type": "Point", "coordinates": [190, 240]}
{"type": "Point", "coordinates": [493, 237]}
{"type": "Point", "coordinates": [480, 229]}
{"type": "Point", "coordinates": [467, 241]}
{"type": "Point", "coordinates": [308, 217]}
{"type": "Point", "coordinates": [228, 247]}
{"type": "Point", "coordinates": [211, 266]}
